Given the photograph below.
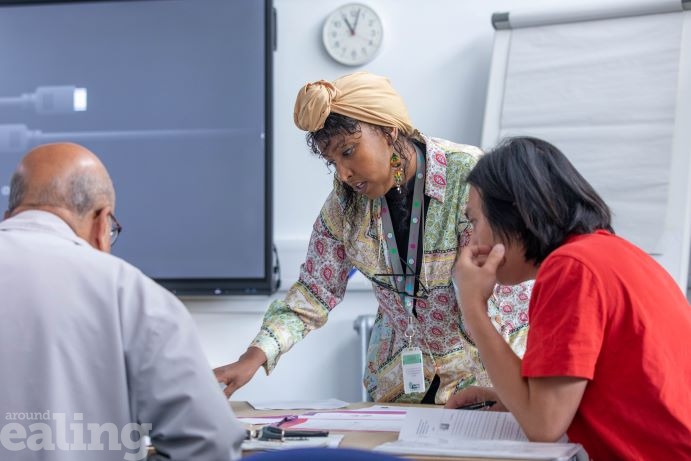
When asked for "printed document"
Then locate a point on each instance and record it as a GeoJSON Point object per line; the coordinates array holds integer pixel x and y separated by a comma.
{"type": "Point", "coordinates": [473, 433]}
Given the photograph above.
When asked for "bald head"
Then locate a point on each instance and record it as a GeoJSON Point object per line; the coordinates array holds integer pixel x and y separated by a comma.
{"type": "Point", "coordinates": [61, 176]}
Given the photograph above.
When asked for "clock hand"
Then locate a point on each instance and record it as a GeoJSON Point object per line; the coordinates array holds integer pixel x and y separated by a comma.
{"type": "Point", "coordinates": [350, 28]}
{"type": "Point", "coordinates": [357, 18]}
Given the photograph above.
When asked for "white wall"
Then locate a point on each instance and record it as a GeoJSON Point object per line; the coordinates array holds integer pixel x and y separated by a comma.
{"type": "Point", "coordinates": [436, 53]}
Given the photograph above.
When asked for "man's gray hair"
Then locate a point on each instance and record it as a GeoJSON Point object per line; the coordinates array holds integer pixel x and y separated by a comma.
{"type": "Point", "coordinates": [79, 193]}
{"type": "Point", "coordinates": [17, 191]}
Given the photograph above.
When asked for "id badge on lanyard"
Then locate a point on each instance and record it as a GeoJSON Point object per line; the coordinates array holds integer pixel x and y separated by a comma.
{"type": "Point", "coordinates": [411, 356]}
{"type": "Point", "coordinates": [413, 372]}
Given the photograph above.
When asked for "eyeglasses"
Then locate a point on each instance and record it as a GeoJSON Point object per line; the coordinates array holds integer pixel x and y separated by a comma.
{"type": "Point", "coordinates": [115, 229]}
{"type": "Point", "coordinates": [392, 286]}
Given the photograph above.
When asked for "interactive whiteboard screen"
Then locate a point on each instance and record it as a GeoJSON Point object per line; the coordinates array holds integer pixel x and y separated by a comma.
{"type": "Point", "coordinates": [174, 97]}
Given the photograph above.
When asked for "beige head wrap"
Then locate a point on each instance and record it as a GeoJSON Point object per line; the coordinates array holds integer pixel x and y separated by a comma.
{"type": "Point", "coordinates": [363, 96]}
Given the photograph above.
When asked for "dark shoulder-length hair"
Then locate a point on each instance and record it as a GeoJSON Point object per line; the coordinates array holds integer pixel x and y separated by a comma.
{"type": "Point", "coordinates": [532, 194]}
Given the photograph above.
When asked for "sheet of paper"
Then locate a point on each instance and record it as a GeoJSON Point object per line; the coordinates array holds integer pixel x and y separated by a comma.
{"type": "Point", "coordinates": [260, 419]}
{"type": "Point", "coordinates": [328, 404]}
{"type": "Point", "coordinates": [374, 418]}
{"type": "Point", "coordinates": [439, 425]}
{"type": "Point", "coordinates": [358, 415]}
{"type": "Point", "coordinates": [481, 434]}
{"type": "Point", "coordinates": [495, 449]}
{"type": "Point", "coordinates": [352, 420]}
{"type": "Point", "coordinates": [387, 409]}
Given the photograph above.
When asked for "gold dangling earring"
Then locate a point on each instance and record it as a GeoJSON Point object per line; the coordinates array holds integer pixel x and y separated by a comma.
{"type": "Point", "coordinates": [397, 170]}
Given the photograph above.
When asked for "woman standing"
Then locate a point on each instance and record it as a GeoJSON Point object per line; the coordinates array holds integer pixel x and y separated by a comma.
{"type": "Point", "coordinates": [396, 214]}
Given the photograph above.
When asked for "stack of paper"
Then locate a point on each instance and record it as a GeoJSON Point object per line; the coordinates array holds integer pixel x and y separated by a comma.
{"type": "Point", "coordinates": [479, 434]}
{"type": "Point", "coordinates": [370, 419]}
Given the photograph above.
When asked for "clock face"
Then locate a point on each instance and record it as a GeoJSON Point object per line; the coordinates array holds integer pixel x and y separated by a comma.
{"type": "Point", "coordinates": [353, 34]}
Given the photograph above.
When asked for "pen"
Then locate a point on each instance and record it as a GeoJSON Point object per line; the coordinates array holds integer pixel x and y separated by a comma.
{"type": "Point", "coordinates": [276, 433]}
{"type": "Point", "coordinates": [477, 405]}
{"type": "Point", "coordinates": [296, 433]}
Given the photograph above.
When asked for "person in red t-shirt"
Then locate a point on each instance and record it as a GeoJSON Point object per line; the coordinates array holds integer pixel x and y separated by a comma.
{"type": "Point", "coordinates": [608, 359]}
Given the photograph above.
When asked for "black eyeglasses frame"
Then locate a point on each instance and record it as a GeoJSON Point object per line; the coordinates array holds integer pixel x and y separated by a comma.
{"type": "Point", "coordinates": [115, 229]}
{"type": "Point", "coordinates": [392, 287]}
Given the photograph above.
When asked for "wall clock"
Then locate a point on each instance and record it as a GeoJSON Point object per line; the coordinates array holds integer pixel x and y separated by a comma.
{"type": "Point", "coordinates": [352, 34]}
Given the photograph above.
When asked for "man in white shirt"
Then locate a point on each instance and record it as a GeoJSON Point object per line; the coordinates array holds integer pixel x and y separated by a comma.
{"type": "Point", "coordinates": [94, 354]}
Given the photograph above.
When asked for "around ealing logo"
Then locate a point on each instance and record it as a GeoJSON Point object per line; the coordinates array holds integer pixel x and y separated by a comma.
{"type": "Point", "coordinates": [48, 431]}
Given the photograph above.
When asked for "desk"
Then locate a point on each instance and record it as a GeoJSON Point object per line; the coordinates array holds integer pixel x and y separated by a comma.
{"type": "Point", "coordinates": [351, 439]}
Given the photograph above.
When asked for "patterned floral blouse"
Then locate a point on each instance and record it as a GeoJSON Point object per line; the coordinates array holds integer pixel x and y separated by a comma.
{"type": "Point", "coordinates": [337, 245]}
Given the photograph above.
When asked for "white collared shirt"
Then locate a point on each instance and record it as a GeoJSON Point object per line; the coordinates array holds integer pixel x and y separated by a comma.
{"type": "Point", "coordinates": [88, 341]}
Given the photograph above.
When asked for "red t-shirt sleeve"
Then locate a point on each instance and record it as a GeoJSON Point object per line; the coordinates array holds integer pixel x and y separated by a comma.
{"type": "Point", "coordinates": [567, 321]}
